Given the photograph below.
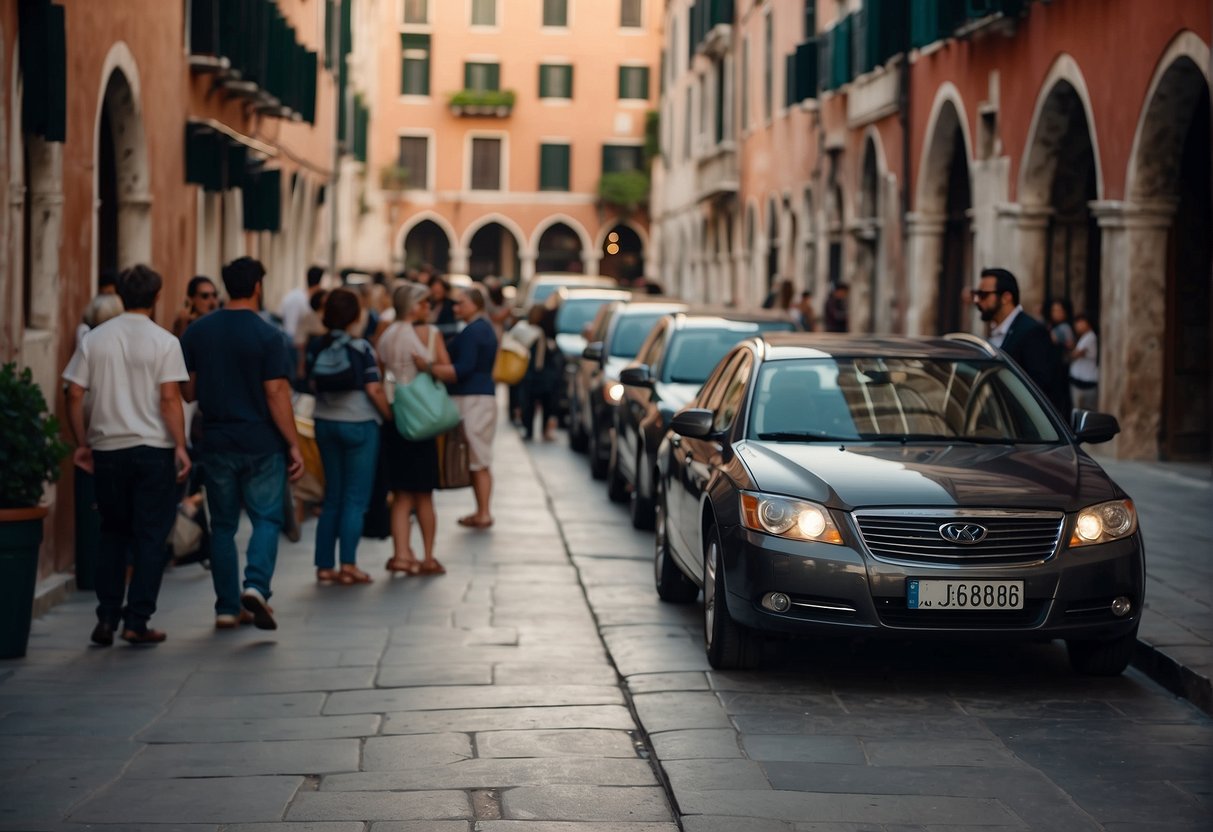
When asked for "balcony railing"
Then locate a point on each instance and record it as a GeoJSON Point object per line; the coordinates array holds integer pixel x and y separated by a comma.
{"type": "Point", "coordinates": [718, 172]}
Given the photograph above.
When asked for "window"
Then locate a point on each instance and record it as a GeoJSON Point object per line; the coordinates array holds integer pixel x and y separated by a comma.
{"type": "Point", "coordinates": [732, 395]}
{"type": "Point", "coordinates": [555, 81]}
{"type": "Point", "coordinates": [413, 158]}
{"type": "Point", "coordinates": [415, 64]}
{"type": "Point", "coordinates": [481, 76]}
{"type": "Point", "coordinates": [415, 11]}
{"type": "Point", "coordinates": [554, 167]}
{"type": "Point", "coordinates": [486, 164]}
{"type": "Point", "coordinates": [634, 82]}
{"type": "Point", "coordinates": [617, 158]}
{"type": "Point", "coordinates": [810, 19]}
{"type": "Point", "coordinates": [555, 12]}
{"type": "Point", "coordinates": [629, 14]}
{"type": "Point", "coordinates": [687, 125]}
{"type": "Point", "coordinates": [745, 84]}
{"type": "Point", "coordinates": [768, 68]}
{"type": "Point", "coordinates": [484, 12]}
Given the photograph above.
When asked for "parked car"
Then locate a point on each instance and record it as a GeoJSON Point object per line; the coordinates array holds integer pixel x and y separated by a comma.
{"type": "Point", "coordinates": [672, 364]}
{"type": "Point", "coordinates": [539, 287]}
{"type": "Point", "coordinates": [576, 308]}
{"type": "Point", "coordinates": [891, 486]}
{"type": "Point", "coordinates": [621, 328]}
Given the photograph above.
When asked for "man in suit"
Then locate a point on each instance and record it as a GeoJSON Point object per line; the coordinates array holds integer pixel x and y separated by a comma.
{"type": "Point", "coordinates": [1019, 335]}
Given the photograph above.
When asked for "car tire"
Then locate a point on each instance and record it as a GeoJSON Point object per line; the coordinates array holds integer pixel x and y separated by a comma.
{"type": "Point", "coordinates": [617, 486]}
{"type": "Point", "coordinates": [642, 504]}
{"type": "Point", "coordinates": [1102, 658]}
{"type": "Point", "coordinates": [672, 585]}
{"type": "Point", "coordinates": [729, 645]}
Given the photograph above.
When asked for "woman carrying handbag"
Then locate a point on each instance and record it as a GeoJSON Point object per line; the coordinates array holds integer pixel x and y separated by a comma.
{"type": "Point", "coordinates": [411, 465]}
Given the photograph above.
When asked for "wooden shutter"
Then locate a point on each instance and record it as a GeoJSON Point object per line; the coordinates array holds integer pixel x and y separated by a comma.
{"type": "Point", "coordinates": [554, 167]}
{"type": "Point", "coordinates": [415, 64]}
{"type": "Point", "coordinates": [486, 164]}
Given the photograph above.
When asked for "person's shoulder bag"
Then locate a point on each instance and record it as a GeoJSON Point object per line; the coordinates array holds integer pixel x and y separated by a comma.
{"type": "Point", "coordinates": [422, 408]}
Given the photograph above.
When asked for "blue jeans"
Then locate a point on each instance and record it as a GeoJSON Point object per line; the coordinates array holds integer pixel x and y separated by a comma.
{"type": "Point", "coordinates": [349, 452]}
{"type": "Point", "coordinates": [137, 500]}
{"type": "Point", "coordinates": [256, 481]}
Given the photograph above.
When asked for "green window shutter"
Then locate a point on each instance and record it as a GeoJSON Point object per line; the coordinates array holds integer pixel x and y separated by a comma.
{"type": "Point", "coordinates": [481, 76]}
{"type": "Point", "coordinates": [414, 64]}
{"type": "Point", "coordinates": [806, 70]}
{"type": "Point", "coordinates": [554, 167]}
{"type": "Point", "coordinates": [262, 197]}
{"type": "Point", "coordinates": [634, 82]}
{"type": "Point", "coordinates": [555, 81]}
{"type": "Point", "coordinates": [789, 80]}
{"type": "Point", "coordinates": [555, 13]}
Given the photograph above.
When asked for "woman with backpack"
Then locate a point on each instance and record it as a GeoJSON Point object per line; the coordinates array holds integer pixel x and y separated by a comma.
{"type": "Point", "coordinates": [343, 372]}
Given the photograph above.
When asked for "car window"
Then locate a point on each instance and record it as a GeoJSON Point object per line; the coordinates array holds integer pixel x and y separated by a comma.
{"type": "Point", "coordinates": [654, 345]}
{"type": "Point", "coordinates": [603, 322]}
{"type": "Point", "coordinates": [732, 394]}
{"type": "Point", "coordinates": [694, 353]}
{"type": "Point", "coordinates": [896, 399]}
{"type": "Point", "coordinates": [630, 332]}
{"type": "Point", "coordinates": [575, 313]}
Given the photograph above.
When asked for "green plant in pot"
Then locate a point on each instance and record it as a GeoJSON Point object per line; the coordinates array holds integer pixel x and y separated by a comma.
{"type": "Point", "coordinates": [30, 454]}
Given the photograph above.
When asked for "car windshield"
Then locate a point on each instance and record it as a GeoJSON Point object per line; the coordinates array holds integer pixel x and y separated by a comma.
{"type": "Point", "coordinates": [575, 313]}
{"type": "Point", "coordinates": [630, 332]}
{"type": "Point", "coordinates": [693, 353]}
{"type": "Point", "coordinates": [541, 291]}
{"type": "Point", "coordinates": [896, 400]}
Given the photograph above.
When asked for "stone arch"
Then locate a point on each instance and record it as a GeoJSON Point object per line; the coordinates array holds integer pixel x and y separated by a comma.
{"type": "Point", "coordinates": [606, 228]}
{"type": "Point", "coordinates": [402, 233]}
{"type": "Point", "coordinates": [589, 259]}
{"type": "Point", "coordinates": [1157, 301]}
{"type": "Point", "coordinates": [1060, 178]}
{"type": "Point", "coordinates": [866, 284]}
{"type": "Point", "coordinates": [939, 230]}
{"type": "Point", "coordinates": [623, 251]}
{"type": "Point", "coordinates": [501, 256]}
{"type": "Point", "coordinates": [772, 228]}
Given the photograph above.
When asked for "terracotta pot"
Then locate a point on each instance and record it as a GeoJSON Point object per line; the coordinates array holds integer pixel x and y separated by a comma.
{"type": "Point", "coordinates": [20, 538]}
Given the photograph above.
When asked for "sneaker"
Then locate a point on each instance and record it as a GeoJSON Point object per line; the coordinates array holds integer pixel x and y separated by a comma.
{"type": "Point", "coordinates": [263, 617]}
{"type": "Point", "coordinates": [227, 621]}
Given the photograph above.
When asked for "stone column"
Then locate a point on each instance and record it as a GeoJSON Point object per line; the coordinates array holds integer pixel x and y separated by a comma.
{"type": "Point", "coordinates": [1026, 229]}
{"type": "Point", "coordinates": [1133, 315]}
{"type": "Point", "coordinates": [526, 262]}
{"type": "Point", "coordinates": [924, 247]}
{"type": "Point", "coordinates": [459, 260]}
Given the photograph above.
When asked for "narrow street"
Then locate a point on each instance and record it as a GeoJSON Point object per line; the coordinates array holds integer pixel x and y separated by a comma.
{"type": "Point", "coordinates": [531, 686]}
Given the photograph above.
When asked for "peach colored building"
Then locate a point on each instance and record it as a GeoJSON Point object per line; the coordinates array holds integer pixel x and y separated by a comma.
{"type": "Point", "coordinates": [503, 180]}
{"type": "Point", "coordinates": [140, 131]}
{"type": "Point", "coordinates": [900, 147]}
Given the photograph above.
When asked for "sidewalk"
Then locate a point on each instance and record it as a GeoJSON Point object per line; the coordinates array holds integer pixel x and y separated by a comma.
{"type": "Point", "coordinates": [1175, 508]}
{"type": "Point", "coordinates": [482, 698]}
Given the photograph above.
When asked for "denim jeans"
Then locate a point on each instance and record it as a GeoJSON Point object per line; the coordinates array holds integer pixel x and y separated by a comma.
{"type": "Point", "coordinates": [137, 500]}
{"type": "Point", "coordinates": [257, 482]}
{"type": "Point", "coordinates": [349, 452]}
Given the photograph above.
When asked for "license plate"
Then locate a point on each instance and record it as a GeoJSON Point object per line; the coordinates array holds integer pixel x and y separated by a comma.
{"type": "Point", "coordinates": [964, 595]}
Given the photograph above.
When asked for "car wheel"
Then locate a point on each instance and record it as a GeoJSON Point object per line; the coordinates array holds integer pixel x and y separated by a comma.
{"type": "Point", "coordinates": [617, 486]}
{"type": "Point", "coordinates": [729, 645]}
{"type": "Point", "coordinates": [598, 460]}
{"type": "Point", "coordinates": [642, 503]}
{"type": "Point", "coordinates": [672, 585]}
{"type": "Point", "coordinates": [1102, 658]}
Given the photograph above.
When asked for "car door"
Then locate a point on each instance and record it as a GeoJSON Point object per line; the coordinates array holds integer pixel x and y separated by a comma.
{"type": "Point", "coordinates": [638, 402]}
{"type": "Point", "coordinates": [694, 458]}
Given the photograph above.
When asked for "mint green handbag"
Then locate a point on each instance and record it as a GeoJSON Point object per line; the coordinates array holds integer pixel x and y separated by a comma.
{"type": "Point", "coordinates": [422, 408]}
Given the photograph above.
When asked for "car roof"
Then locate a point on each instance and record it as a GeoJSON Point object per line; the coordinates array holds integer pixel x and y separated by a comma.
{"type": "Point", "coordinates": [783, 345]}
{"type": "Point", "coordinates": [648, 304]}
{"type": "Point", "coordinates": [572, 279]}
{"type": "Point", "coordinates": [709, 316]}
{"type": "Point", "coordinates": [592, 293]}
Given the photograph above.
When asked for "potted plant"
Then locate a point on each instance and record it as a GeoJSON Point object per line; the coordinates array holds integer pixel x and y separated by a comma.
{"type": "Point", "coordinates": [30, 454]}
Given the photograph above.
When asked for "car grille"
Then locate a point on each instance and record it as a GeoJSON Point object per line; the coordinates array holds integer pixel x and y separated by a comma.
{"type": "Point", "coordinates": [913, 536]}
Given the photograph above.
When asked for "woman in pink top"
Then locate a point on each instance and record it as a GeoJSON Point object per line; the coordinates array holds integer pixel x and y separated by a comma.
{"type": "Point", "coordinates": [411, 466]}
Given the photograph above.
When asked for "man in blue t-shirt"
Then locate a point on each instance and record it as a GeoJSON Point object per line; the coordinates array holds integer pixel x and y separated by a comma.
{"type": "Point", "coordinates": [239, 376]}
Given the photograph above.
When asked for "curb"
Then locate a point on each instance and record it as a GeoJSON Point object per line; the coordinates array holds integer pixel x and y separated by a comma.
{"type": "Point", "coordinates": [52, 591]}
{"type": "Point", "coordinates": [1175, 677]}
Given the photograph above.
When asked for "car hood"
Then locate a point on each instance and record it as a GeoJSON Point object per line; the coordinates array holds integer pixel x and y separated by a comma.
{"type": "Point", "coordinates": [571, 344]}
{"type": "Point", "coordinates": [1055, 477]}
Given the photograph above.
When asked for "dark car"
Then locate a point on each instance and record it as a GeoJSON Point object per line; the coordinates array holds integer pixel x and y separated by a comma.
{"type": "Point", "coordinates": [620, 330]}
{"type": "Point", "coordinates": [891, 486]}
{"type": "Point", "coordinates": [674, 361]}
{"type": "Point", "coordinates": [576, 309]}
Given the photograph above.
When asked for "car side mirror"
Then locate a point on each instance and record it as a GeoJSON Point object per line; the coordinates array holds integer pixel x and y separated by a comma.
{"type": "Point", "coordinates": [1093, 426]}
{"type": "Point", "coordinates": [592, 352]}
{"type": "Point", "coordinates": [636, 376]}
{"type": "Point", "coordinates": [693, 422]}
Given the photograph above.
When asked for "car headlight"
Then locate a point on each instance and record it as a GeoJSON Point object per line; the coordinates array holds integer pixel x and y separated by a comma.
{"type": "Point", "coordinates": [1103, 522]}
{"type": "Point", "coordinates": [613, 392]}
{"type": "Point", "coordinates": [785, 517]}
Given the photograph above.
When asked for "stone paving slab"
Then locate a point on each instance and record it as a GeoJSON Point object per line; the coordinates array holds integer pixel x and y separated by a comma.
{"type": "Point", "coordinates": [418, 805]}
{"type": "Point", "coordinates": [573, 742]}
{"type": "Point", "coordinates": [433, 675]}
{"type": "Point", "coordinates": [444, 698]}
{"type": "Point", "coordinates": [219, 800]}
{"type": "Point", "coordinates": [170, 730]}
{"type": "Point", "coordinates": [485, 719]}
{"type": "Point", "coordinates": [600, 803]}
{"type": "Point", "coordinates": [244, 759]}
{"type": "Point", "coordinates": [421, 826]}
{"type": "Point", "coordinates": [680, 711]}
{"type": "Point", "coordinates": [696, 743]}
{"type": "Point", "coordinates": [207, 683]}
{"type": "Point", "coordinates": [295, 827]}
{"type": "Point", "coordinates": [259, 706]}
{"type": "Point", "coordinates": [414, 751]}
{"type": "Point", "coordinates": [861, 808]}
{"type": "Point", "coordinates": [576, 826]}
{"type": "Point", "coordinates": [500, 773]}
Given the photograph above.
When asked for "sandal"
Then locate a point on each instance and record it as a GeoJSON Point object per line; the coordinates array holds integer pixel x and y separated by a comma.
{"type": "Point", "coordinates": [353, 575]}
{"type": "Point", "coordinates": [404, 566]}
{"type": "Point", "coordinates": [431, 567]}
{"type": "Point", "coordinates": [326, 576]}
{"type": "Point", "coordinates": [471, 521]}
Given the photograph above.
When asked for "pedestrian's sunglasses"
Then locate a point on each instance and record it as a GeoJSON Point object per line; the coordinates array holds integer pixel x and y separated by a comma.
{"type": "Point", "coordinates": [981, 293]}
{"type": "Point", "coordinates": [206, 295]}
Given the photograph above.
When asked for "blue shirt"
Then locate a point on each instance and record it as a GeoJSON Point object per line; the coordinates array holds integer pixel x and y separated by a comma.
{"type": "Point", "coordinates": [473, 352]}
{"type": "Point", "coordinates": [234, 352]}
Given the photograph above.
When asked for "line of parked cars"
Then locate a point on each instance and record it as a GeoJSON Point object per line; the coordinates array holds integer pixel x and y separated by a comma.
{"type": "Point", "coordinates": [815, 484]}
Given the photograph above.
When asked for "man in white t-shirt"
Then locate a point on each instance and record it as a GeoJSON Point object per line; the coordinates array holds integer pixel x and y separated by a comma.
{"type": "Point", "coordinates": [1084, 366]}
{"type": "Point", "coordinates": [297, 302]}
{"type": "Point", "coordinates": [134, 444]}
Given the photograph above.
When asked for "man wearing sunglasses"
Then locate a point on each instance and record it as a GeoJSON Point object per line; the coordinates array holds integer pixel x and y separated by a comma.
{"type": "Point", "coordinates": [1020, 336]}
{"type": "Point", "coordinates": [201, 297]}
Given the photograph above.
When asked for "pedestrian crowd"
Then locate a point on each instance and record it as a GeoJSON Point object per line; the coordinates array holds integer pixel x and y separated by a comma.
{"type": "Point", "coordinates": [218, 406]}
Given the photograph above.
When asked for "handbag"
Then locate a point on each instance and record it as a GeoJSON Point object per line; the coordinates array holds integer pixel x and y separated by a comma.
{"type": "Point", "coordinates": [453, 458]}
{"type": "Point", "coordinates": [422, 408]}
{"type": "Point", "coordinates": [512, 361]}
